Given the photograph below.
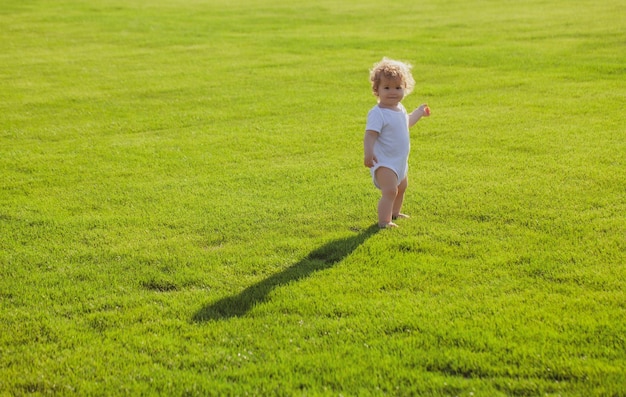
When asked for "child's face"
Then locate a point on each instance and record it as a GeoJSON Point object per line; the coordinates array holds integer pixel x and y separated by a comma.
{"type": "Point", "coordinates": [390, 92]}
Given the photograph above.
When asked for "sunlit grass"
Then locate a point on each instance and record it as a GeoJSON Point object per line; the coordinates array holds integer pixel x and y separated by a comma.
{"type": "Point", "coordinates": [183, 208]}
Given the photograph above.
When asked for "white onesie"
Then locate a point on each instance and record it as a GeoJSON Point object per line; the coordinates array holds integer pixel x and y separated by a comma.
{"type": "Point", "coordinates": [393, 144]}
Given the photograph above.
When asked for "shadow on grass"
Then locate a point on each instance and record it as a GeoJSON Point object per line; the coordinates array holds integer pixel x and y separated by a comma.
{"type": "Point", "coordinates": [322, 258]}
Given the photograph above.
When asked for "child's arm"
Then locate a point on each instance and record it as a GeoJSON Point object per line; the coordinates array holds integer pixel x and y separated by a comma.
{"type": "Point", "coordinates": [417, 114]}
{"type": "Point", "coordinates": [368, 148]}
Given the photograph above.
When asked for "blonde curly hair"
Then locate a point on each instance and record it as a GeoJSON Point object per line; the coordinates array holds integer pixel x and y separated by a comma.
{"type": "Point", "coordinates": [392, 69]}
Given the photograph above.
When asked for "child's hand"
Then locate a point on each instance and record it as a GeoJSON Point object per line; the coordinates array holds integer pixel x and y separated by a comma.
{"type": "Point", "coordinates": [370, 161]}
{"type": "Point", "coordinates": [418, 113]}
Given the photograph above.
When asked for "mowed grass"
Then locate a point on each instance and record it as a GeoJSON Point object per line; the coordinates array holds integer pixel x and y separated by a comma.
{"type": "Point", "coordinates": [184, 209]}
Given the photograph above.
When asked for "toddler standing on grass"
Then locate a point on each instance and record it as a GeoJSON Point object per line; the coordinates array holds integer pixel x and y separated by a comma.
{"type": "Point", "coordinates": [386, 143]}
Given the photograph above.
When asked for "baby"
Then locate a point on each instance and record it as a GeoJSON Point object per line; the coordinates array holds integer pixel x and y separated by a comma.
{"type": "Point", "coordinates": [386, 143]}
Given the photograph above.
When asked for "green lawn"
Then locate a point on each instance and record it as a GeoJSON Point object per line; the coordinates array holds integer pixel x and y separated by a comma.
{"type": "Point", "coordinates": [184, 209]}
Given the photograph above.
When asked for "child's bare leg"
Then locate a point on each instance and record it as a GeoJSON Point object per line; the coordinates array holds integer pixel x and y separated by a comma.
{"type": "Point", "coordinates": [397, 204]}
{"type": "Point", "coordinates": [388, 184]}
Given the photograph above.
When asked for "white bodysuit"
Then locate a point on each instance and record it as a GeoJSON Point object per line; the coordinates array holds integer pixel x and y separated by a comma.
{"type": "Point", "coordinates": [393, 144]}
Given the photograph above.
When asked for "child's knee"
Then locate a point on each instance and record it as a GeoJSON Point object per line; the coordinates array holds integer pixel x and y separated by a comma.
{"type": "Point", "coordinates": [390, 192]}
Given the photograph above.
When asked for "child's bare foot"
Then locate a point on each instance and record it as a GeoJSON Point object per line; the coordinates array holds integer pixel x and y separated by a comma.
{"type": "Point", "coordinates": [387, 225]}
{"type": "Point", "coordinates": [400, 216]}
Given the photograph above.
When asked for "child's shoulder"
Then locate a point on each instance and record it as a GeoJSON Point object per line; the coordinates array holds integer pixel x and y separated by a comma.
{"type": "Point", "coordinates": [374, 110]}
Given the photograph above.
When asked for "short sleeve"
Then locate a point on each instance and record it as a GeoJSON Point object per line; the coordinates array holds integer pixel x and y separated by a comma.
{"type": "Point", "coordinates": [374, 120]}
